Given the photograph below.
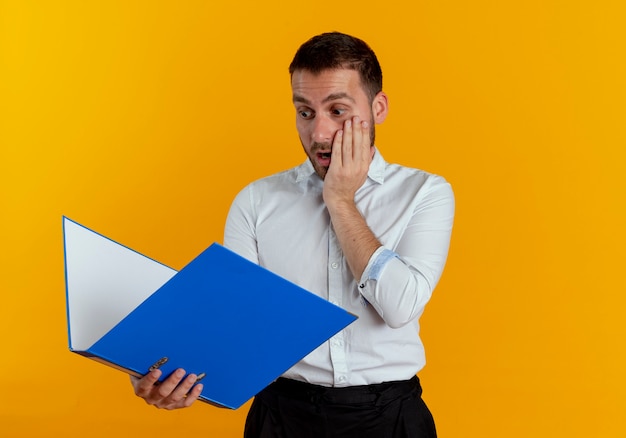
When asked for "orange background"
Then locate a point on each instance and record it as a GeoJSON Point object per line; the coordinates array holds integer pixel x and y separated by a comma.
{"type": "Point", "coordinates": [142, 120]}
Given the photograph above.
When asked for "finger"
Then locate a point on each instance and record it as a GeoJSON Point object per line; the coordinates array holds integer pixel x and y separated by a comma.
{"type": "Point", "coordinates": [193, 395]}
{"type": "Point", "coordinates": [145, 385]}
{"type": "Point", "coordinates": [346, 144]}
{"type": "Point", "coordinates": [181, 391]}
{"type": "Point", "coordinates": [357, 140]}
{"type": "Point", "coordinates": [367, 141]}
{"type": "Point", "coordinates": [166, 387]}
{"type": "Point", "coordinates": [335, 155]}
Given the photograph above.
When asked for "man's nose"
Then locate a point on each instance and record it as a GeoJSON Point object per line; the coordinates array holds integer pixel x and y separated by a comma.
{"type": "Point", "coordinates": [324, 129]}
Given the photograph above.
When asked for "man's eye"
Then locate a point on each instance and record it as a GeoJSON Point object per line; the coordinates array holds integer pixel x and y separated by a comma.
{"type": "Point", "coordinates": [305, 114]}
{"type": "Point", "coordinates": [338, 111]}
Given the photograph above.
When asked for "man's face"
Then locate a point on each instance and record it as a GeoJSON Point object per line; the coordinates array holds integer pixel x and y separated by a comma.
{"type": "Point", "coordinates": [323, 102]}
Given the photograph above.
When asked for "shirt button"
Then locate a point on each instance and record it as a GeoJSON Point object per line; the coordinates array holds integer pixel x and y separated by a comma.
{"type": "Point", "coordinates": [342, 378]}
{"type": "Point", "coordinates": [334, 265]}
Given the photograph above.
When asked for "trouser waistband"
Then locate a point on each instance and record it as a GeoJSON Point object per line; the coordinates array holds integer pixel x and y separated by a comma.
{"type": "Point", "coordinates": [379, 392]}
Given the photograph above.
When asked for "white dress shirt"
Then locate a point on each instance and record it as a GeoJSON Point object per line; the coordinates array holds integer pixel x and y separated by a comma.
{"type": "Point", "coordinates": [281, 223]}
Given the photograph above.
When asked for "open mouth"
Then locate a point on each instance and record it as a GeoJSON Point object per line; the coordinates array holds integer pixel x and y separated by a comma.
{"type": "Point", "coordinates": [323, 158]}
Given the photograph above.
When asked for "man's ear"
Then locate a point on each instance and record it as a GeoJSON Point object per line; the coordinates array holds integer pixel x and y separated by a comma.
{"type": "Point", "coordinates": [380, 107]}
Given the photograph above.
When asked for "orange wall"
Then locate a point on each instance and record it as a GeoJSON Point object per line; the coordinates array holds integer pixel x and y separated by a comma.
{"type": "Point", "coordinates": [142, 120]}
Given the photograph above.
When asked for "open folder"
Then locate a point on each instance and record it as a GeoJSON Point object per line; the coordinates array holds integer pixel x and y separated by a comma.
{"type": "Point", "coordinates": [222, 317]}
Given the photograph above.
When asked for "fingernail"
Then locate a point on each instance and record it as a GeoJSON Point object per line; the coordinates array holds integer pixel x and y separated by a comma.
{"type": "Point", "coordinates": [365, 124]}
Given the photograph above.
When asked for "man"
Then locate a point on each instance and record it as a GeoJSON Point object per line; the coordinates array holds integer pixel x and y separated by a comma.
{"type": "Point", "coordinates": [369, 236]}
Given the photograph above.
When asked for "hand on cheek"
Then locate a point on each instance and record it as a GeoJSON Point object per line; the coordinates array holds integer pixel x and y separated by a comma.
{"type": "Point", "coordinates": [351, 158]}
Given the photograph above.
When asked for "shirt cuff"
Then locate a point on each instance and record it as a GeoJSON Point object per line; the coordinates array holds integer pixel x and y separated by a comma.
{"type": "Point", "coordinates": [376, 264]}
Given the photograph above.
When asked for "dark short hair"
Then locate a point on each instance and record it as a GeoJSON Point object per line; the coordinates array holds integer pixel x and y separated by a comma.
{"type": "Point", "coordinates": [335, 50]}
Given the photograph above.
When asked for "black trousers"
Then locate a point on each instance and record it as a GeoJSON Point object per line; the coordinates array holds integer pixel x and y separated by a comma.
{"type": "Point", "coordinates": [291, 409]}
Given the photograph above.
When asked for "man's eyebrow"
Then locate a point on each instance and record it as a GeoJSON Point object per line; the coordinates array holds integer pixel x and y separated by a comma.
{"type": "Point", "coordinates": [300, 99]}
{"type": "Point", "coordinates": [338, 96]}
{"type": "Point", "coordinates": [330, 97]}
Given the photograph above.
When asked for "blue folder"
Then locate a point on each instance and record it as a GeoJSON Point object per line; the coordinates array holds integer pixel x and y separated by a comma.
{"type": "Point", "coordinates": [221, 316]}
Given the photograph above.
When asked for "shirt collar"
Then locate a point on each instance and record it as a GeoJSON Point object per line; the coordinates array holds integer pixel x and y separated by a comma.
{"type": "Point", "coordinates": [376, 171]}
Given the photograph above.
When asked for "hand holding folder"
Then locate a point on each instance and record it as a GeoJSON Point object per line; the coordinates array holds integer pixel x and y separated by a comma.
{"type": "Point", "coordinates": [179, 390]}
{"type": "Point", "coordinates": [237, 323]}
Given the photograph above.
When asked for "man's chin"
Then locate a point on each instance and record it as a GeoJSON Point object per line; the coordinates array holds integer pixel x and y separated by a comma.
{"type": "Point", "coordinates": [321, 171]}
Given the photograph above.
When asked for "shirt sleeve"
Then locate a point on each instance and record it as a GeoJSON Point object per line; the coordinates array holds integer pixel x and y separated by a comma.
{"type": "Point", "coordinates": [240, 231]}
{"type": "Point", "coordinates": [398, 282]}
